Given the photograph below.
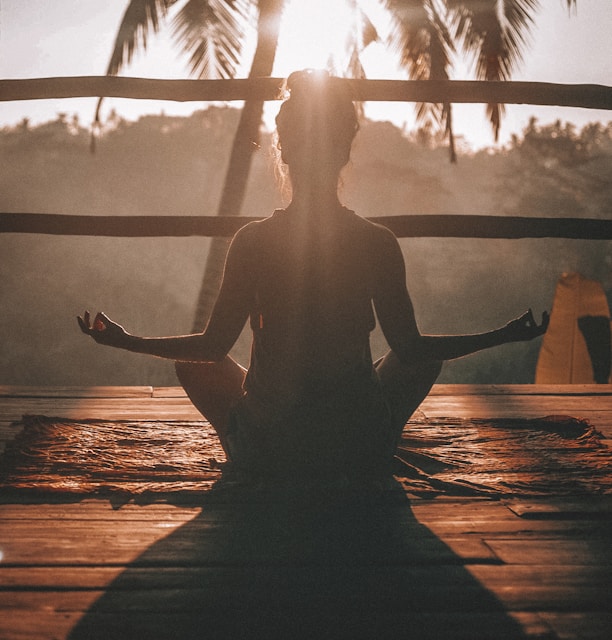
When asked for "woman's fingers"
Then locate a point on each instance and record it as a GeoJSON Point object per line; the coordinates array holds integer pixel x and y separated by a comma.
{"type": "Point", "coordinates": [100, 323]}
{"type": "Point", "coordinates": [83, 324]}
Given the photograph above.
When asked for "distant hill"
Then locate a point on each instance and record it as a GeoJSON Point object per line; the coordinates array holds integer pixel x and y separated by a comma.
{"type": "Point", "coordinates": [166, 165]}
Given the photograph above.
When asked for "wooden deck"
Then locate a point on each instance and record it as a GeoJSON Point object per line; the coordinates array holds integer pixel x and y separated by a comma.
{"type": "Point", "coordinates": [414, 568]}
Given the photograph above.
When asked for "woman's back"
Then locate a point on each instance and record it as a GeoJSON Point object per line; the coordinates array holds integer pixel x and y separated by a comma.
{"type": "Point", "coordinates": [312, 309]}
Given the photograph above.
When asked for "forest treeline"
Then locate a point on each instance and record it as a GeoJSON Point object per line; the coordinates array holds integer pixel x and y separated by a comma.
{"type": "Point", "coordinates": [163, 165]}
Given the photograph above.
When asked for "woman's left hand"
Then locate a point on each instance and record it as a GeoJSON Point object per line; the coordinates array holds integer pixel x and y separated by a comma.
{"type": "Point", "coordinates": [526, 328]}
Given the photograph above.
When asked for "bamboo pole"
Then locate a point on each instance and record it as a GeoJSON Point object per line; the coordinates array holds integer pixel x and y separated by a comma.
{"type": "Point", "coordinates": [589, 96]}
{"type": "Point", "coordinates": [403, 226]}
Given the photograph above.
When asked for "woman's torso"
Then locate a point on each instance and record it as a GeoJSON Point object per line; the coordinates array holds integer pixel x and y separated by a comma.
{"type": "Point", "coordinates": [312, 305]}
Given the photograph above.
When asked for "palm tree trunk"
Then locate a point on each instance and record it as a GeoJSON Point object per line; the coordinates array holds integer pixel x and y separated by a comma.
{"type": "Point", "coordinates": [246, 141]}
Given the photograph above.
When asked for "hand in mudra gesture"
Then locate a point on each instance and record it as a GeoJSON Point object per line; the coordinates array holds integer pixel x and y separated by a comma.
{"type": "Point", "coordinates": [103, 330]}
{"type": "Point", "coordinates": [526, 328]}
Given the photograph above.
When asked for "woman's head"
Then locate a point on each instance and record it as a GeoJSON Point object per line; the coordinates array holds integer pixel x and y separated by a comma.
{"type": "Point", "coordinates": [316, 125]}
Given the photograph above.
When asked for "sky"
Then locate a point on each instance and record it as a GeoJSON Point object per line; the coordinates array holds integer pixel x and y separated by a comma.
{"type": "Point", "coordinates": [39, 38]}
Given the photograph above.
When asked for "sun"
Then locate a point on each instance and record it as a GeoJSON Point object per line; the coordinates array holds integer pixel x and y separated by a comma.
{"type": "Point", "coordinates": [314, 34]}
{"type": "Point", "coordinates": [317, 34]}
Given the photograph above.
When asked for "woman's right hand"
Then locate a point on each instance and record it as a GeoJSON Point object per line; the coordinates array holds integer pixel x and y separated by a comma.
{"type": "Point", "coordinates": [103, 330]}
{"type": "Point", "coordinates": [526, 328]}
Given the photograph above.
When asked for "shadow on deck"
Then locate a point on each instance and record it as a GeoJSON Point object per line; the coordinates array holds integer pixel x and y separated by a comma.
{"type": "Point", "coordinates": [318, 568]}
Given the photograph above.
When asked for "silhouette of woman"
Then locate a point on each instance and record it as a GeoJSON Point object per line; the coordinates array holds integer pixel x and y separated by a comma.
{"type": "Point", "coordinates": [311, 278]}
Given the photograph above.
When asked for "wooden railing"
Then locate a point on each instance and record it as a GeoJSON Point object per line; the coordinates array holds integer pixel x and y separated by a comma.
{"type": "Point", "coordinates": [589, 96]}
{"type": "Point", "coordinates": [457, 226]}
{"type": "Point", "coordinates": [403, 226]}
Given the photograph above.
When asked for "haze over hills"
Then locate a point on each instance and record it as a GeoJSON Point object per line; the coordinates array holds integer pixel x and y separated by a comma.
{"type": "Point", "coordinates": [175, 166]}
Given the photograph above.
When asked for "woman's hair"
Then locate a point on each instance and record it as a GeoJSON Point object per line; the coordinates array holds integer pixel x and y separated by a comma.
{"type": "Point", "coordinates": [317, 118]}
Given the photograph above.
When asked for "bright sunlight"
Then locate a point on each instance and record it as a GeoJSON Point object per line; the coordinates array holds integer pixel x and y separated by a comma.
{"type": "Point", "coordinates": [317, 33]}
{"type": "Point", "coordinates": [314, 34]}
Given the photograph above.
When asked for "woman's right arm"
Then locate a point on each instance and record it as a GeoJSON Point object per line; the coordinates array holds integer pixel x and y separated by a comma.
{"type": "Point", "coordinates": [212, 345]}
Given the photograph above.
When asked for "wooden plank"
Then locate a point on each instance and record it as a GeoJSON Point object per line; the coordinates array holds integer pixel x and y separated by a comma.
{"type": "Point", "coordinates": [441, 591]}
{"type": "Point", "coordinates": [347, 589]}
{"type": "Point", "coordinates": [131, 399]}
{"type": "Point", "coordinates": [493, 577]}
{"type": "Point", "coordinates": [544, 405]}
{"type": "Point", "coordinates": [135, 408]}
{"type": "Point", "coordinates": [28, 520]}
{"type": "Point", "coordinates": [179, 407]}
{"type": "Point", "coordinates": [437, 390]}
{"type": "Point", "coordinates": [521, 389]}
{"type": "Point", "coordinates": [587, 625]}
{"type": "Point", "coordinates": [576, 576]}
{"type": "Point", "coordinates": [169, 392]}
{"type": "Point", "coordinates": [43, 624]}
{"type": "Point", "coordinates": [596, 507]}
{"type": "Point", "coordinates": [446, 525]}
{"type": "Point", "coordinates": [88, 510]}
{"type": "Point", "coordinates": [489, 528]}
{"type": "Point", "coordinates": [516, 407]}
{"type": "Point", "coordinates": [545, 588]}
{"type": "Point", "coordinates": [21, 391]}
{"type": "Point", "coordinates": [114, 545]}
{"type": "Point", "coordinates": [161, 625]}
{"type": "Point", "coordinates": [561, 551]}
{"type": "Point", "coordinates": [493, 519]}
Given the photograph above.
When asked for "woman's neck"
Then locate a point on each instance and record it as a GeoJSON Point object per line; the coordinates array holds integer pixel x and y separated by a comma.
{"type": "Point", "coordinates": [315, 195]}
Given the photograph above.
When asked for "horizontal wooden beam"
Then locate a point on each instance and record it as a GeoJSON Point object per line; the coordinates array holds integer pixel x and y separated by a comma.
{"type": "Point", "coordinates": [403, 226]}
{"type": "Point", "coordinates": [589, 96]}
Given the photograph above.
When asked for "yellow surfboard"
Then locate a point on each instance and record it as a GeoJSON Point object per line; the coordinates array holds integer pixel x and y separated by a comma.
{"type": "Point", "coordinates": [564, 357]}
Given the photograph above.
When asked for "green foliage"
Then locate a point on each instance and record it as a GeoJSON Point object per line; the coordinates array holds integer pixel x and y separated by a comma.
{"type": "Point", "coordinates": [561, 171]}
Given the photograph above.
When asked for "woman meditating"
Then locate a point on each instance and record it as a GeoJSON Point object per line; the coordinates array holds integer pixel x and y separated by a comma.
{"type": "Point", "coordinates": [312, 279]}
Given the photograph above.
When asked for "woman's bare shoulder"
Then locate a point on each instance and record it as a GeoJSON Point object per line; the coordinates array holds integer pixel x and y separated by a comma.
{"type": "Point", "coordinates": [374, 231]}
{"type": "Point", "coordinates": [253, 230]}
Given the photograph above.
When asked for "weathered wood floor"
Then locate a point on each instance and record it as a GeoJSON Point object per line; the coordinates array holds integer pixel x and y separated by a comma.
{"type": "Point", "coordinates": [443, 568]}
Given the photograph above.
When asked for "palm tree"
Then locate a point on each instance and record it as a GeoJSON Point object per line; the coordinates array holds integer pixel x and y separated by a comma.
{"type": "Point", "coordinates": [426, 36]}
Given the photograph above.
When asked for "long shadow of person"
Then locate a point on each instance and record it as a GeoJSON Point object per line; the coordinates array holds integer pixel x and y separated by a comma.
{"type": "Point", "coordinates": [297, 567]}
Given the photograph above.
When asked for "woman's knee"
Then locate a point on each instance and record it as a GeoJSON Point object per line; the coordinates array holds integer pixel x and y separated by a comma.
{"type": "Point", "coordinates": [191, 373]}
{"type": "Point", "coordinates": [226, 376]}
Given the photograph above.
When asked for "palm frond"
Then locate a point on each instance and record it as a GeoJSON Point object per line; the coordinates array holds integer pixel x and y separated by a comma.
{"type": "Point", "coordinates": [360, 34]}
{"type": "Point", "coordinates": [212, 32]}
{"type": "Point", "coordinates": [369, 33]}
{"type": "Point", "coordinates": [140, 17]}
{"type": "Point", "coordinates": [425, 46]}
{"type": "Point", "coordinates": [410, 36]}
{"type": "Point", "coordinates": [496, 33]}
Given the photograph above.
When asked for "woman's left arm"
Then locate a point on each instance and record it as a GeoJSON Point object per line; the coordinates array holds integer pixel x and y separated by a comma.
{"type": "Point", "coordinates": [397, 320]}
{"type": "Point", "coordinates": [520, 329]}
